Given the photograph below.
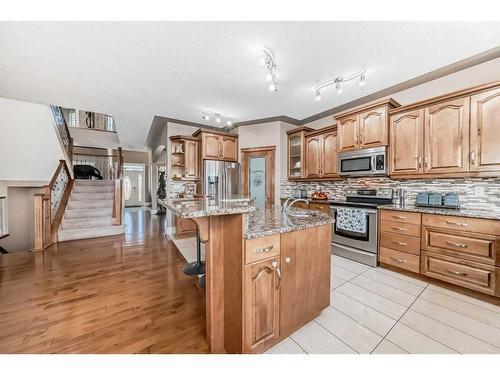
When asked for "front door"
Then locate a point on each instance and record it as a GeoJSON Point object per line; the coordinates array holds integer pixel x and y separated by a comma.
{"type": "Point", "coordinates": [133, 184]}
{"type": "Point", "coordinates": [258, 175]}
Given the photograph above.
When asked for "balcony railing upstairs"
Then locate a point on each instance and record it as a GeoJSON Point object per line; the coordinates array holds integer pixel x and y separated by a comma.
{"type": "Point", "coordinates": [62, 127]}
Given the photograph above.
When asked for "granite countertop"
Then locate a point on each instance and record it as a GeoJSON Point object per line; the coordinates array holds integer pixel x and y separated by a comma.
{"type": "Point", "coordinates": [268, 221]}
{"type": "Point", "coordinates": [310, 200]}
{"type": "Point", "coordinates": [465, 211]}
{"type": "Point", "coordinates": [200, 207]}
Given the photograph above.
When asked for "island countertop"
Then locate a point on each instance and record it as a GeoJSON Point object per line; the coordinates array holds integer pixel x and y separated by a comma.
{"type": "Point", "coordinates": [200, 207]}
{"type": "Point", "coordinates": [268, 221]}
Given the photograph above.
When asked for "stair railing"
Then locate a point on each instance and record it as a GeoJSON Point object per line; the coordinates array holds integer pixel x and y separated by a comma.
{"type": "Point", "coordinates": [50, 206]}
{"type": "Point", "coordinates": [118, 199]}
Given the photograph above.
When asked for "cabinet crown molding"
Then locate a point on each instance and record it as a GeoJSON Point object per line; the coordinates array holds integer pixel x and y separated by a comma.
{"type": "Point", "coordinates": [390, 102]}
{"type": "Point", "coordinates": [445, 97]}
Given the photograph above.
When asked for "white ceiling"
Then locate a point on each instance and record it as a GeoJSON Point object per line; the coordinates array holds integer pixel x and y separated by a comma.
{"type": "Point", "coordinates": [135, 70]}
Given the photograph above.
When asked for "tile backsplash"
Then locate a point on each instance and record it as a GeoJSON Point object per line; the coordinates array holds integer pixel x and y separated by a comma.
{"type": "Point", "coordinates": [477, 193]}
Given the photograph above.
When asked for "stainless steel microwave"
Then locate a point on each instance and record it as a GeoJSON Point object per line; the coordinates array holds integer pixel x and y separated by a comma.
{"type": "Point", "coordinates": [369, 162]}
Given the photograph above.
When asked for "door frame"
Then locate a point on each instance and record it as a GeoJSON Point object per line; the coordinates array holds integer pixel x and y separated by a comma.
{"type": "Point", "coordinates": [142, 203]}
{"type": "Point", "coordinates": [264, 151]}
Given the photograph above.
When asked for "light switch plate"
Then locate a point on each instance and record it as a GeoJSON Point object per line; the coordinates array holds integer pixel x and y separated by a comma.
{"type": "Point", "coordinates": [478, 190]}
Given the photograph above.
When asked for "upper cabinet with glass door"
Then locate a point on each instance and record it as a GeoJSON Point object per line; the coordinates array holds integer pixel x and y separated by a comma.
{"type": "Point", "coordinates": [296, 153]}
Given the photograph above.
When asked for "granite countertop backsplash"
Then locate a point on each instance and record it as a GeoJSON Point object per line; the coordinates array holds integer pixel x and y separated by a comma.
{"type": "Point", "coordinates": [464, 211]}
{"type": "Point", "coordinates": [200, 207]}
{"type": "Point", "coordinates": [268, 221]}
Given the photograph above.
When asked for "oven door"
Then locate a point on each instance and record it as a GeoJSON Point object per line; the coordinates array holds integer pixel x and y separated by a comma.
{"type": "Point", "coordinates": [366, 241]}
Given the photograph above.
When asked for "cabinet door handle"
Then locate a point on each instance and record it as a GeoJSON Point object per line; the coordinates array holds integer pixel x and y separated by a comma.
{"type": "Point", "coordinates": [288, 260]}
{"type": "Point", "coordinates": [399, 228]}
{"type": "Point", "coordinates": [419, 161]}
{"type": "Point", "coordinates": [456, 273]}
{"type": "Point", "coordinates": [399, 243]}
{"type": "Point", "coordinates": [398, 260]}
{"type": "Point", "coordinates": [399, 217]}
{"type": "Point", "coordinates": [455, 223]}
{"type": "Point", "coordinates": [278, 272]}
{"type": "Point", "coordinates": [426, 162]}
{"type": "Point", "coordinates": [462, 245]}
{"type": "Point", "coordinates": [473, 157]}
{"type": "Point", "coordinates": [260, 250]}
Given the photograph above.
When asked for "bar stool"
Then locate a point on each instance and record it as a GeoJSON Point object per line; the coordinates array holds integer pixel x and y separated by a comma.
{"type": "Point", "coordinates": [197, 267]}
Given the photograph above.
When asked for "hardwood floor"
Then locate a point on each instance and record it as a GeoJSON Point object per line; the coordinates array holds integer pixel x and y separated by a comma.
{"type": "Point", "coordinates": [120, 294]}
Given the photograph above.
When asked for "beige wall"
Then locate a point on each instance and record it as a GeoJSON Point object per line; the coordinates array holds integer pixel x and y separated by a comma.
{"type": "Point", "coordinates": [29, 146]}
{"type": "Point", "coordinates": [473, 76]}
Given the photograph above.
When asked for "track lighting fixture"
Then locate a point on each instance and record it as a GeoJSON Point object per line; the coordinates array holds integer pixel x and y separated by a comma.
{"type": "Point", "coordinates": [338, 82]}
{"type": "Point", "coordinates": [216, 117]}
{"type": "Point", "coordinates": [268, 60]}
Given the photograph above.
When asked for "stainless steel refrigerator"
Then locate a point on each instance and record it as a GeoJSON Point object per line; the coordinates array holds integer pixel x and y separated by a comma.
{"type": "Point", "coordinates": [221, 179]}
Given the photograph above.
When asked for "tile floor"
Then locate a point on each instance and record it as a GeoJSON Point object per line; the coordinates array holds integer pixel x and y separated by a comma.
{"type": "Point", "coordinates": [374, 310]}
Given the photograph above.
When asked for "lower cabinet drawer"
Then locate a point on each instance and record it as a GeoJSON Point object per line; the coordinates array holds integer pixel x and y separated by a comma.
{"type": "Point", "coordinates": [475, 247]}
{"type": "Point", "coordinates": [261, 248]}
{"type": "Point", "coordinates": [320, 207]}
{"type": "Point", "coordinates": [400, 242]}
{"type": "Point", "coordinates": [401, 228]}
{"type": "Point", "coordinates": [471, 275]}
{"type": "Point", "coordinates": [400, 259]}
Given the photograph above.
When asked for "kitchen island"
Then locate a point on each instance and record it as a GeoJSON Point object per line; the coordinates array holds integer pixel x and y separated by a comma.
{"type": "Point", "coordinates": [267, 273]}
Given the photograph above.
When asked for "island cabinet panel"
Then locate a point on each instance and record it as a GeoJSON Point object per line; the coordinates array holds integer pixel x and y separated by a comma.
{"type": "Point", "coordinates": [305, 284]}
{"type": "Point", "coordinates": [348, 133]}
{"type": "Point", "coordinates": [313, 157]}
{"type": "Point", "coordinates": [446, 142]}
{"type": "Point", "coordinates": [485, 134]}
{"type": "Point", "coordinates": [261, 305]}
{"type": "Point", "coordinates": [373, 128]}
{"type": "Point", "coordinates": [406, 145]}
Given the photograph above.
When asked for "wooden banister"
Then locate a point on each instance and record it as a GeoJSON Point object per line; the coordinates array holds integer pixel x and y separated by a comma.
{"type": "Point", "coordinates": [46, 223]}
{"type": "Point", "coordinates": [118, 199]}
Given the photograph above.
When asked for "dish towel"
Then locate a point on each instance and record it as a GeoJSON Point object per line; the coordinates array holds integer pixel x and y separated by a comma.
{"type": "Point", "coordinates": [351, 219]}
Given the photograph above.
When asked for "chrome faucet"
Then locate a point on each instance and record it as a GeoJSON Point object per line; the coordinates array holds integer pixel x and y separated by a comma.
{"type": "Point", "coordinates": [287, 206]}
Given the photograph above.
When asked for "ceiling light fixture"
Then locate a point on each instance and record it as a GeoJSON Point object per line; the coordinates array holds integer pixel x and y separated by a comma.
{"type": "Point", "coordinates": [216, 117]}
{"type": "Point", "coordinates": [268, 60]}
{"type": "Point", "coordinates": [338, 82]}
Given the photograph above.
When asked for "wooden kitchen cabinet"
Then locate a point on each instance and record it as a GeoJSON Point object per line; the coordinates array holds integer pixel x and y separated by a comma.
{"type": "Point", "coordinates": [261, 305]}
{"type": "Point", "coordinates": [217, 145]}
{"type": "Point", "coordinates": [305, 287]}
{"type": "Point", "coordinates": [348, 134]}
{"type": "Point", "coordinates": [364, 126]}
{"type": "Point", "coordinates": [446, 133]}
{"type": "Point", "coordinates": [184, 226]}
{"type": "Point", "coordinates": [321, 153]}
{"type": "Point", "coordinates": [184, 158]}
{"type": "Point", "coordinates": [296, 153]}
{"type": "Point", "coordinates": [406, 145]}
{"type": "Point", "coordinates": [485, 132]}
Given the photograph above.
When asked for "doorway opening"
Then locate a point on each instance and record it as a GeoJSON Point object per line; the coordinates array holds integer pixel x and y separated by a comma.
{"type": "Point", "coordinates": [258, 175]}
{"type": "Point", "coordinates": [133, 184]}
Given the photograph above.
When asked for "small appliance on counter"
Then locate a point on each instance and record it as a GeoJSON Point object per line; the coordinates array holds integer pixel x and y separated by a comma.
{"type": "Point", "coordinates": [319, 196]}
{"type": "Point", "coordinates": [299, 193]}
{"type": "Point", "coordinates": [438, 200]}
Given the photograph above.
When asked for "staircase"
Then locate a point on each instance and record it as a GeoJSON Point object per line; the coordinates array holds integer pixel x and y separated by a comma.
{"type": "Point", "coordinates": [89, 212]}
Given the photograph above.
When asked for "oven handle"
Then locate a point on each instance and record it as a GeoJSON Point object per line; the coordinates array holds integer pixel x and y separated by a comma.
{"type": "Point", "coordinates": [369, 212]}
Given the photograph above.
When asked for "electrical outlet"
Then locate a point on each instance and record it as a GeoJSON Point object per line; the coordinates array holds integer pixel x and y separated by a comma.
{"type": "Point", "coordinates": [478, 190]}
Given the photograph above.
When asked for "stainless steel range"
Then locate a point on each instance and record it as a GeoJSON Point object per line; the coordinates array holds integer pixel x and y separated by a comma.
{"type": "Point", "coordinates": [355, 229]}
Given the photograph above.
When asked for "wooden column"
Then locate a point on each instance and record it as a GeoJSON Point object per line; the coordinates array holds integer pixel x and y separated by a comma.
{"type": "Point", "coordinates": [223, 249]}
{"type": "Point", "coordinates": [39, 222]}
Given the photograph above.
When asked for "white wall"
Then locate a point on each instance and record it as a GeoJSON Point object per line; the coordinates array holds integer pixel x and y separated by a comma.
{"type": "Point", "coordinates": [29, 147]}
{"type": "Point", "coordinates": [94, 138]}
{"type": "Point", "coordinates": [473, 76]}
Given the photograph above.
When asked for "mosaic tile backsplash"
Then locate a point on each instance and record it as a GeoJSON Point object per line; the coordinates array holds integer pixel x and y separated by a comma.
{"type": "Point", "coordinates": [474, 193]}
